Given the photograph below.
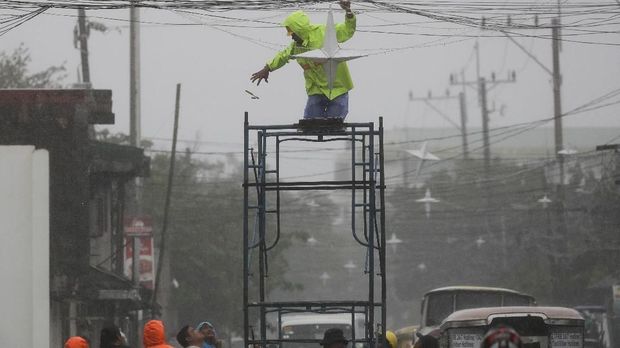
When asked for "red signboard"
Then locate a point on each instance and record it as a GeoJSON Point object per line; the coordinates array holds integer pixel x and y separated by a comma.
{"type": "Point", "coordinates": [138, 226]}
{"type": "Point", "coordinates": [147, 263]}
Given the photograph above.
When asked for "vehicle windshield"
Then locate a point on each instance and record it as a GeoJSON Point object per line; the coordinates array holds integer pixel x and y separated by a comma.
{"type": "Point", "coordinates": [467, 300]}
{"type": "Point", "coordinates": [439, 307]}
{"type": "Point", "coordinates": [442, 304]}
{"type": "Point", "coordinates": [310, 332]}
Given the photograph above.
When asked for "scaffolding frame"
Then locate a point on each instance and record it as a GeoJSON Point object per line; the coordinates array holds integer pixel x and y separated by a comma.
{"type": "Point", "coordinates": [362, 137]}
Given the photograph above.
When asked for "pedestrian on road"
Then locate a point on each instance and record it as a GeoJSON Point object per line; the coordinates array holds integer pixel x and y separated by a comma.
{"type": "Point", "coordinates": [77, 342]}
{"type": "Point", "coordinates": [154, 335]}
{"type": "Point", "coordinates": [189, 337]}
{"type": "Point", "coordinates": [334, 338]}
{"type": "Point", "coordinates": [210, 335]}
{"type": "Point", "coordinates": [111, 337]}
{"type": "Point", "coordinates": [322, 102]}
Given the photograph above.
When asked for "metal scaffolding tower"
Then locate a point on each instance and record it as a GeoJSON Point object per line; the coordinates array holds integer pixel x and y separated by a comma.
{"type": "Point", "coordinates": [262, 229]}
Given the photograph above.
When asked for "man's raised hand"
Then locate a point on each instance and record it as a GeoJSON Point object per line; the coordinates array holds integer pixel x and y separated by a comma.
{"type": "Point", "coordinates": [262, 74]}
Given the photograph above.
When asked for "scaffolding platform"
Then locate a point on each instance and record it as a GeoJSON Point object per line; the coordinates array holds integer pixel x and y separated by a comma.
{"type": "Point", "coordinates": [263, 185]}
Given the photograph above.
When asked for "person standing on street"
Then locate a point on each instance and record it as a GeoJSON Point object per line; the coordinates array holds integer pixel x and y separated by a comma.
{"type": "Point", "coordinates": [77, 342]}
{"type": "Point", "coordinates": [210, 335]}
{"type": "Point", "coordinates": [111, 337]}
{"type": "Point", "coordinates": [334, 338]}
{"type": "Point", "coordinates": [188, 337]}
{"type": "Point", "coordinates": [154, 335]}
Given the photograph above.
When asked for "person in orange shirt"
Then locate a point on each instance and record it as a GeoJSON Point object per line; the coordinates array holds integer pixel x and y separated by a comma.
{"type": "Point", "coordinates": [76, 342]}
{"type": "Point", "coordinates": [154, 335]}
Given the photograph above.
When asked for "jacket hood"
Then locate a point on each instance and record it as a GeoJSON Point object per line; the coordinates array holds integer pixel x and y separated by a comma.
{"type": "Point", "coordinates": [299, 23]}
{"type": "Point", "coordinates": [76, 342]}
{"type": "Point", "coordinates": [154, 333]}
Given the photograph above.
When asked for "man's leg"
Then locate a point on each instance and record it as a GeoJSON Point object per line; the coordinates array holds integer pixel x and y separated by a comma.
{"type": "Point", "coordinates": [315, 106]}
{"type": "Point", "coordinates": [338, 107]}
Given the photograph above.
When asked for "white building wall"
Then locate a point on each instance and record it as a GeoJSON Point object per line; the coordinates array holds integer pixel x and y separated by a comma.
{"type": "Point", "coordinates": [24, 247]}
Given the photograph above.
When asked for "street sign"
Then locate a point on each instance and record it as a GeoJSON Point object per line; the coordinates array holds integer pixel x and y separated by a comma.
{"type": "Point", "coordinates": [147, 262]}
{"type": "Point", "coordinates": [138, 226]}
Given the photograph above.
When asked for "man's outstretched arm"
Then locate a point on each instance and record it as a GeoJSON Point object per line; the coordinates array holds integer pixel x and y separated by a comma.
{"type": "Point", "coordinates": [277, 62]}
{"type": "Point", "coordinates": [344, 31]}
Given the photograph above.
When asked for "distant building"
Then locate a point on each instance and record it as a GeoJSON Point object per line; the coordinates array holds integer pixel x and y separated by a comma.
{"type": "Point", "coordinates": [87, 205]}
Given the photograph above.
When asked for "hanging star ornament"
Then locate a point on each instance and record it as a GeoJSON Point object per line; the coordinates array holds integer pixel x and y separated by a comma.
{"type": "Point", "coordinates": [330, 55]}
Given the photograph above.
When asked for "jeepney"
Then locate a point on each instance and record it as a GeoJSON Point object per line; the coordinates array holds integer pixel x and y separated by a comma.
{"type": "Point", "coordinates": [539, 327]}
{"type": "Point", "coordinates": [437, 304]}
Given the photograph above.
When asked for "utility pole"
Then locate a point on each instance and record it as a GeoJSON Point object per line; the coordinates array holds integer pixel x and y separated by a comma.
{"type": "Point", "coordinates": [134, 121]}
{"type": "Point", "coordinates": [463, 113]}
{"type": "Point", "coordinates": [463, 108]}
{"type": "Point", "coordinates": [481, 83]}
{"type": "Point", "coordinates": [557, 95]}
{"type": "Point", "coordinates": [134, 136]}
{"type": "Point", "coordinates": [482, 90]}
{"type": "Point", "coordinates": [134, 73]}
{"type": "Point", "coordinates": [82, 36]}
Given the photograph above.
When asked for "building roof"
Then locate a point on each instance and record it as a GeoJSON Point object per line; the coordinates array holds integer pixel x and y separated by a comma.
{"type": "Point", "coordinates": [28, 104]}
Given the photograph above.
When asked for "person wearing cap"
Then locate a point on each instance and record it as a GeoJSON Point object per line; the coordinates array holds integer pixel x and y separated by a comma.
{"type": "Point", "coordinates": [334, 338]}
{"type": "Point", "coordinates": [188, 337]}
{"type": "Point", "coordinates": [210, 335]}
{"type": "Point", "coordinates": [77, 342]}
{"type": "Point", "coordinates": [322, 101]}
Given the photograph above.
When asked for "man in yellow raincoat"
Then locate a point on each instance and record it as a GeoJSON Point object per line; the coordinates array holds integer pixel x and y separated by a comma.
{"type": "Point", "coordinates": [322, 102]}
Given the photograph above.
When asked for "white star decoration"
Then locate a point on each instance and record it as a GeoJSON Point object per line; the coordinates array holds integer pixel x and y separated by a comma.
{"type": "Point", "coordinates": [330, 55]}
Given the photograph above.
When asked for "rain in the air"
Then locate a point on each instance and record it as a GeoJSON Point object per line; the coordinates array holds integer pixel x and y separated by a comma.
{"type": "Point", "coordinates": [310, 174]}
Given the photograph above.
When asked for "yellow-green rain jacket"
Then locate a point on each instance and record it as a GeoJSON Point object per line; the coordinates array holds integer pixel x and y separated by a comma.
{"type": "Point", "coordinates": [313, 35]}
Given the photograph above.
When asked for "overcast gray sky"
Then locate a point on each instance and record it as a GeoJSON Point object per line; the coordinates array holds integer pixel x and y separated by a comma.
{"type": "Point", "coordinates": [214, 68]}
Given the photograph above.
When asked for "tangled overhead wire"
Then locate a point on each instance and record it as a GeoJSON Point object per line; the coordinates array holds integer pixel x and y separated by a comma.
{"type": "Point", "coordinates": [517, 18]}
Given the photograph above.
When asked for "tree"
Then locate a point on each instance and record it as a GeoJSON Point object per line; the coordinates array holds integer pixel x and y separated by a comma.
{"type": "Point", "coordinates": [14, 72]}
{"type": "Point", "coordinates": [205, 238]}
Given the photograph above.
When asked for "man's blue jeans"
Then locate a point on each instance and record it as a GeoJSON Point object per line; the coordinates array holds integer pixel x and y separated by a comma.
{"type": "Point", "coordinates": [319, 105]}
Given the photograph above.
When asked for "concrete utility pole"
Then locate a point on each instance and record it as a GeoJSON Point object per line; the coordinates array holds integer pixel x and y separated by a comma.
{"type": "Point", "coordinates": [463, 115]}
{"type": "Point", "coordinates": [83, 42]}
{"type": "Point", "coordinates": [134, 74]}
{"type": "Point", "coordinates": [134, 121]}
{"type": "Point", "coordinates": [557, 95]}
{"type": "Point", "coordinates": [134, 136]}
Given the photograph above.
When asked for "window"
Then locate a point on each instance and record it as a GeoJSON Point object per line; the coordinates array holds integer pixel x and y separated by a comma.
{"type": "Point", "coordinates": [439, 307]}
